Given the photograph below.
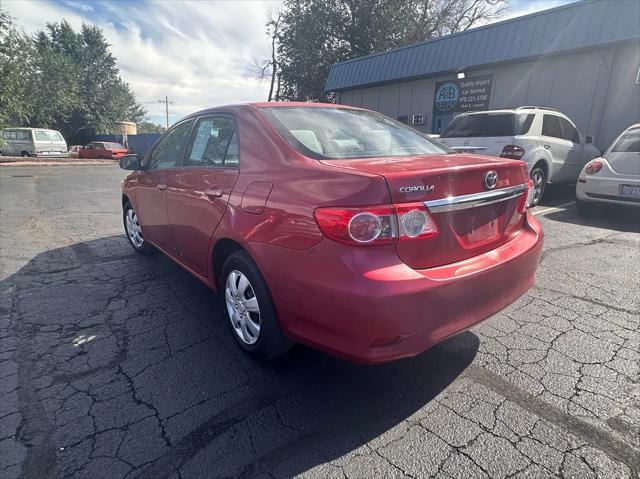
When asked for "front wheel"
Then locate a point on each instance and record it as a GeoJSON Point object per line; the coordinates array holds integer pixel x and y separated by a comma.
{"type": "Point", "coordinates": [249, 309]}
{"type": "Point", "coordinates": [133, 230]}
{"type": "Point", "coordinates": [539, 178]}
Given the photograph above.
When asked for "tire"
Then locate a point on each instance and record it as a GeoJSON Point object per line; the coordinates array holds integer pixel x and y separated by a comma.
{"type": "Point", "coordinates": [25, 154]}
{"type": "Point", "coordinates": [539, 177]}
{"type": "Point", "coordinates": [248, 308]}
{"type": "Point", "coordinates": [133, 232]}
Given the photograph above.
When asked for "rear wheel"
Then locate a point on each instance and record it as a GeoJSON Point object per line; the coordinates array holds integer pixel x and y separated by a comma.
{"type": "Point", "coordinates": [539, 178]}
{"type": "Point", "coordinates": [25, 154]}
{"type": "Point", "coordinates": [249, 309]}
{"type": "Point", "coordinates": [133, 230]}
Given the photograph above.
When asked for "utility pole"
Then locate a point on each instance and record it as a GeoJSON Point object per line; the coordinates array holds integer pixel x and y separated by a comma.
{"type": "Point", "coordinates": [166, 104]}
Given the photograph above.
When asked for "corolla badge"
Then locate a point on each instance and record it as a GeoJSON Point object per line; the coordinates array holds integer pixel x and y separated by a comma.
{"type": "Point", "coordinates": [491, 179]}
{"type": "Point", "coordinates": [417, 188]}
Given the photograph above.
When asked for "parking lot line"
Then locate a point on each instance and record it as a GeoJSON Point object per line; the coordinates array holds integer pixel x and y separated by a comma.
{"type": "Point", "coordinates": [552, 208]}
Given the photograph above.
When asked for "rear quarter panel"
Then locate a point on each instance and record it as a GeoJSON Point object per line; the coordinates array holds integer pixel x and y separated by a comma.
{"type": "Point", "coordinates": [534, 153]}
{"type": "Point", "coordinates": [299, 185]}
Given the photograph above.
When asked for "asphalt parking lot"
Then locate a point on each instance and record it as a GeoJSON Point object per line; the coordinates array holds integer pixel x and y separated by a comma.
{"type": "Point", "coordinates": [116, 365]}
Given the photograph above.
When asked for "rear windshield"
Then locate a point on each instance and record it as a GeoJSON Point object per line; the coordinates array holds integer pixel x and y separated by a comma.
{"type": "Point", "coordinates": [344, 133]}
{"type": "Point", "coordinates": [113, 146]}
{"type": "Point", "coordinates": [629, 143]}
{"type": "Point", "coordinates": [482, 124]}
{"type": "Point", "coordinates": [48, 135]}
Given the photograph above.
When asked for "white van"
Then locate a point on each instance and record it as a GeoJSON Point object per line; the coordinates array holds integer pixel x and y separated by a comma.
{"type": "Point", "coordinates": [32, 142]}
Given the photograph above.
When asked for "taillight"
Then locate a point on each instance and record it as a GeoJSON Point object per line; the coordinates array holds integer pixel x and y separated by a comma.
{"type": "Point", "coordinates": [512, 151]}
{"type": "Point", "coordinates": [527, 198]}
{"type": "Point", "coordinates": [376, 225]}
{"type": "Point", "coordinates": [593, 167]}
{"type": "Point", "coordinates": [415, 222]}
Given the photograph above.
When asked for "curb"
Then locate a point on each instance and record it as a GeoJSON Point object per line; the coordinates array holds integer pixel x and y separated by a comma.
{"type": "Point", "coordinates": [19, 161]}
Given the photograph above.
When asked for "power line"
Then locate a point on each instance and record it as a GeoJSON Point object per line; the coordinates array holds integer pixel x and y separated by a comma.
{"type": "Point", "coordinates": [166, 104]}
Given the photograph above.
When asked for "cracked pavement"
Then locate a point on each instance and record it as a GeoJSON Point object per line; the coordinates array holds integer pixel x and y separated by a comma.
{"type": "Point", "coordinates": [115, 365]}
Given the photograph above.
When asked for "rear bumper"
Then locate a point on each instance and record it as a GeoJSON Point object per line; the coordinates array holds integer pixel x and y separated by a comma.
{"type": "Point", "coordinates": [605, 190]}
{"type": "Point", "coordinates": [373, 308]}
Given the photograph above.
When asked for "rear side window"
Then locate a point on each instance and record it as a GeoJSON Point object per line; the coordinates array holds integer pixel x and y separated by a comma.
{"type": "Point", "coordinates": [167, 152]}
{"type": "Point", "coordinates": [9, 135]}
{"type": "Point", "coordinates": [551, 126]}
{"type": "Point", "coordinates": [525, 122]}
{"type": "Point", "coordinates": [629, 143]}
{"type": "Point", "coordinates": [45, 135]}
{"type": "Point", "coordinates": [569, 131]}
{"type": "Point", "coordinates": [481, 125]}
{"type": "Point", "coordinates": [23, 135]}
{"type": "Point", "coordinates": [214, 144]}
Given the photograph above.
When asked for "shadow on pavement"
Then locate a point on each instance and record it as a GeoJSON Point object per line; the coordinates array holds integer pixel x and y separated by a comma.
{"type": "Point", "coordinates": [127, 357]}
{"type": "Point", "coordinates": [619, 218]}
{"type": "Point", "coordinates": [556, 194]}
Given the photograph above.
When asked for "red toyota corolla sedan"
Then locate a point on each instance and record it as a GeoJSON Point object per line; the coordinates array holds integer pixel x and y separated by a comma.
{"type": "Point", "coordinates": [334, 226]}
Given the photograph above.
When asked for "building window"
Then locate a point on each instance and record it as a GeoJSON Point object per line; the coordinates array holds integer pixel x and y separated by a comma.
{"type": "Point", "coordinates": [403, 119]}
{"type": "Point", "coordinates": [417, 119]}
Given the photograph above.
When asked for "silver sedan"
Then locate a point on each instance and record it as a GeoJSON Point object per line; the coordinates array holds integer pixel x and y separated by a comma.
{"type": "Point", "coordinates": [615, 176]}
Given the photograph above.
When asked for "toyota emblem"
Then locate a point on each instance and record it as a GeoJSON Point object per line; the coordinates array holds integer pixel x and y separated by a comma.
{"type": "Point", "coordinates": [491, 179]}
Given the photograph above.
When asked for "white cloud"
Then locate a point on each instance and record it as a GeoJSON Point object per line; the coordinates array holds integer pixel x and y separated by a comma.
{"type": "Point", "coordinates": [518, 8]}
{"type": "Point", "coordinates": [197, 53]}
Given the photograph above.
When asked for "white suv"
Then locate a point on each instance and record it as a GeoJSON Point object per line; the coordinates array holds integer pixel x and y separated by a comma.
{"type": "Point", "coordinates": [544, 138]}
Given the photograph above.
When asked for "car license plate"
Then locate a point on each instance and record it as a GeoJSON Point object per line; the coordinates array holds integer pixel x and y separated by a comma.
{"type": "Point", "coordinates": [484, 228]}
{"type": "Point", "coordinates": [628, 191]}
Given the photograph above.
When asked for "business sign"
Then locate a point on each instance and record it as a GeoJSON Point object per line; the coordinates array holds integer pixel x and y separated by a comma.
{"type": "Point", "coordinates": [463, 95]}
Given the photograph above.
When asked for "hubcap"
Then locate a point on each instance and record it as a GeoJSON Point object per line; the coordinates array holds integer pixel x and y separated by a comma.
{"type": "Point", "coordinates": [538, 185]}
{"type": "Point", "coordinates": [133, 228]}
{"type": "Point", "coordinates": [242, 306]}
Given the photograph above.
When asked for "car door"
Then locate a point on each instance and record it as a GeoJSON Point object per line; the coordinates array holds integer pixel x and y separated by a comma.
{"type": "Point", "coordinates": [85, 151]}
{"type": "Point", "coordinates": [554, 141]}
{"type": "Point", "coordinates": [578, 154]}
{"type": "Point", "coordinates": [151, 199]}
{"type": "Point", "coordinates": [198, 192]}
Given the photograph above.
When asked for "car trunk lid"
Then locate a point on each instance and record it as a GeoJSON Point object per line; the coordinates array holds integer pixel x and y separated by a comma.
{"type": "Point", "coordinates": [471, 217]}
{"type": "Point", "coordinates": [625, 162]}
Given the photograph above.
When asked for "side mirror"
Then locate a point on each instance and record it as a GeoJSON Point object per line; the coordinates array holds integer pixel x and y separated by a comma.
{"type": "Point", "coordinates": [588, 139]}
{"type": "Point", "coordinates": [130, 162]}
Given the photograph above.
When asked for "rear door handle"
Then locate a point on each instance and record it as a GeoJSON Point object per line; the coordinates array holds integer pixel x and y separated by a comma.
{"type": "Point", "coordinates": [213, 193]}
{"type": "Point", "coordinates": [162, 187]}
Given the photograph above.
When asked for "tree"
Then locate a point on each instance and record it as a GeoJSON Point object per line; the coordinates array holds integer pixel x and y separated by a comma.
{"type": "Point", "coordinates": [16, 63]}
{"type": "Point", "coordinates": [78, 87]}
{"type": "Point", "coordinates": [268, 68]}
{"type": "Point", "coordinates": [315, 34]}
{"type": "Point", "coordinates": [62, 79]}
{"type": "Point", "coordinates": [148, 127]}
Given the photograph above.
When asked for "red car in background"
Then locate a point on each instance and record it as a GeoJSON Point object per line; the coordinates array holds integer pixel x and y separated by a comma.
{"type": "Point", "coordinates": [103, 150]}
{"type": "Point", "coordinates": [74, 151]}
{"type": "Point", "coordinates": [334, 226]}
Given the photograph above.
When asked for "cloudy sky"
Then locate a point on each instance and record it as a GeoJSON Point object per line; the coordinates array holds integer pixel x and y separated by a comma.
{"type": "Point", "coordinates": [196, 53]}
